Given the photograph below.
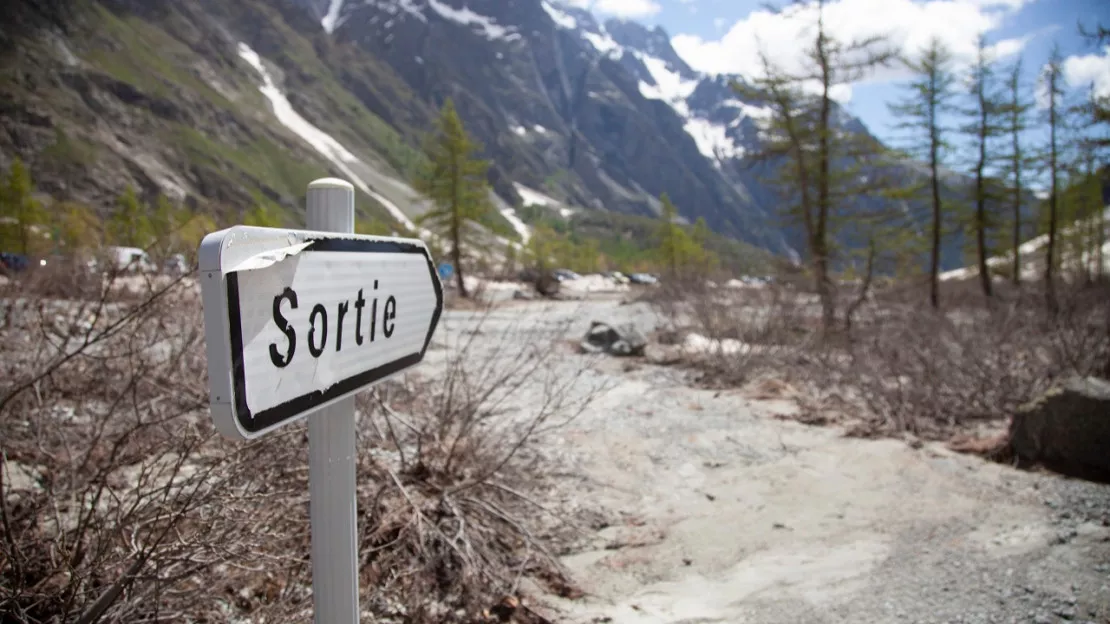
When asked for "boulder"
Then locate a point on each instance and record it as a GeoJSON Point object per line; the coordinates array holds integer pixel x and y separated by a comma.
{"type": "Point", "coordinates": [547, 285]}
{"type": "Point", "coordinates": [1067, 430]}
{"type": "Point", "coordinates": [620, 340]}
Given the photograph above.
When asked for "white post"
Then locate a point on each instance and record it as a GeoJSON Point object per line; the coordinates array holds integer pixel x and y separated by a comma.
{"type": "Point", "coordinates": [331, 454]}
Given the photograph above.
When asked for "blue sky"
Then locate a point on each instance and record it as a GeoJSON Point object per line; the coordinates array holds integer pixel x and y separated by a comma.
{"type": "Point", "coordinates": [723, 35]}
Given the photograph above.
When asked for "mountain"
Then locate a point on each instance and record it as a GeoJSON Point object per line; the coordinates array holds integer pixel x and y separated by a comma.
{"type": "Point", "coordinates": [231, 104]}
{"type": "Point", "coordinates": [189, 99]}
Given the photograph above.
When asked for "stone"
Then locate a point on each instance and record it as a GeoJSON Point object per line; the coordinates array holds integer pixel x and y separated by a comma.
{"type": "Point", "coordinates": [624, 340]}
{"type": "Point", "coordinates": [1067, 430]}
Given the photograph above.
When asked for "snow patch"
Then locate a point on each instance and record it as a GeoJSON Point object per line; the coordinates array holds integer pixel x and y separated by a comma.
{"type": "Point", "coordinates": [539, 129]}
{"type": "Point", "coordinates": [712, 140]}
{"type": "Point", "coordinates": [533, 197]}
{"type": "Point", "coordinates": [490, 29]}
{"type": "Point", "coordinates": [592, 284]}
{"type": "Point", "coordinates": [1032, 266]}
{"type": "Point", "coordinates": [604, 44]}
{"type": "Point", "coordinates": [322, 142]}
{"type": "Point", "coordinates": [521, 227]}
{"type": "Point", "coordinates": [696, 343]}
{"type": "Point", "coordinates": [520, 130]}
{"type": "Point", "coordinates": [561, 19]}
{"type": "Point", "coordinates": [328, 22]}
{"type": "Point", "coordinates": [669, 86]}
{"type": "Point", "coordinates": [760, 114]}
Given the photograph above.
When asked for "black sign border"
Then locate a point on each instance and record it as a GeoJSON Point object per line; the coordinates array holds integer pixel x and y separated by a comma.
{"type": "Point", "coordinates": [270, 417]}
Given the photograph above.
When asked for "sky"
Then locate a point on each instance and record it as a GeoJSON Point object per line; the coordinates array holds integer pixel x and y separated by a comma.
{"type": "Point", "coordinates": [725, 36]}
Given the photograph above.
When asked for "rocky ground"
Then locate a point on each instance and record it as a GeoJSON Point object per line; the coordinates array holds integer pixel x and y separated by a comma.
{"type": "Point", "coordinates": [702, 506]}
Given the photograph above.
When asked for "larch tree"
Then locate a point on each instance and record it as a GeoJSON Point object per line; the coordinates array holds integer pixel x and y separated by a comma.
{"type": "Point", "coordinates": [931, 92]}
{"type": "Point", "coordinates": [675, 245]}
{"type": "Point", "coordinates": [1052, 79]}
{"type": "Point", "coordinates": [77, 228]}
{"type": "Point", "coordinates": [21, 215]}
{"type": "Point", "coordinates": [129, 225]}
{"type": "Point", "coordinates": [983, 127]}
{"type": "Point", "coordinates": [819, 161]}
{"type": "Point", "coordinates": [1016, 123]}
{"type": "Point", "coordinates": [454, 179]}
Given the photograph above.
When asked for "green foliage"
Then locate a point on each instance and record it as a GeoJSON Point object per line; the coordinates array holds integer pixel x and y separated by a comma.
{"type": "Point", "coordinates": [629, 243]}
{"type": "Point", "coordinates": [679, 255]}
{"type": "Point", "coordinates": [930, 97]}
{"type": "Point", "coordinates": [373, 227]}
{"type": "Point", "coordinates": [76, 229]}
{"type": "Point", "coordinates": [263, 215]}
{"type": "Point", "coordinates": [68, 155]}
{"type": "Point", "coordinates": [21, 215]}
{"type": "Point", "coordinates": [129, 225]}
{"type": "Point", "coordinates": [455, 180]}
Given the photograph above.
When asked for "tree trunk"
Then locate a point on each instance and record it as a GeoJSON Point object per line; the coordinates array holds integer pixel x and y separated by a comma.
{"type": "Point", "coordinates": [1050, 250]}
{"type": "Point", "coordinates": [934, 263]}
{"type": "Point", "coordinates": [1016, 278]}
{"type": "Point", "coordinates": [456, 257]}
{"type": "Point", "coordinates": [981, 222]}
{"type": "Point", "coordinates": [824, 284]}
{"type": "Point", "coordinates": [865, 287]}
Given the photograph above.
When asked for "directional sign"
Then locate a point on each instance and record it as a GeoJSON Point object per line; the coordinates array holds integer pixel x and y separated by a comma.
{"type": "Point", "coordinates": [296, 320]}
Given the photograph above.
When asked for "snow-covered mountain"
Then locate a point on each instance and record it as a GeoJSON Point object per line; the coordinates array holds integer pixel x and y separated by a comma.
{"type": "Point", "coordinates": [602, 115]}
{"type": "Point", "coordinates": [244, 102]}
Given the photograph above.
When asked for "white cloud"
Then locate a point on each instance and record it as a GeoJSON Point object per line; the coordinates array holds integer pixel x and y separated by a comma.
{"type": "Point", "coordinates": [909, 23]}
{"type": "Point", "coordinates": [620, 8]}
{"type": "Point", "coordinates": [1088, 70]}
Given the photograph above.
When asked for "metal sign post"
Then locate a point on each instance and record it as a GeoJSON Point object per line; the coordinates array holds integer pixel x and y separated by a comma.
{"type": "Point", "coordinates": [298, 321]}
{"type": "Point", "coordinates": [332, 498]}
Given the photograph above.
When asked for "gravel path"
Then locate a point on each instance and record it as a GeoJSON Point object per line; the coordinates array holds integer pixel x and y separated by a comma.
{"type": "Point", "coordinates": [713, 510]}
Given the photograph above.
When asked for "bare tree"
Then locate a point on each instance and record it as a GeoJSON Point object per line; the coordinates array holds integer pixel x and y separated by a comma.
{"type": "Point", "coordinates": [930, 93]}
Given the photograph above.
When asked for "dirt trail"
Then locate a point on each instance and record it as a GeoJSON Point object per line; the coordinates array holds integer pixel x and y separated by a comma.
{"type": "Point", "coordinates": [720, 512]}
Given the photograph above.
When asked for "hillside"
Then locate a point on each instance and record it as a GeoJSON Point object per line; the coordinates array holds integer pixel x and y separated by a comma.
{"type": "Point", "coordinates": [166, 97]}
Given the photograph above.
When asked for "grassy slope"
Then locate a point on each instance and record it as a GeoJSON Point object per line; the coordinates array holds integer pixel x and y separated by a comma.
{"type": "Point", "coordinates": [629, 240]}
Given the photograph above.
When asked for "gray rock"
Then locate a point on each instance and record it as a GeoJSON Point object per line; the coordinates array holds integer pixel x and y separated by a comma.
{"type": "Point", "coordinates": [623, 340]}
{"type": "Point", "coordinates": [1067, 430]}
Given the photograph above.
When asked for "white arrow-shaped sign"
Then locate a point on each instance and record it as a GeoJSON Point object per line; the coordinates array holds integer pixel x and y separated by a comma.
{"type": "Point", "coordinates": [296, 320]}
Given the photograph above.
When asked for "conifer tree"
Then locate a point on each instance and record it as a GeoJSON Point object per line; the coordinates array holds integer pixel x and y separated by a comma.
{"type": "Point", "coordinates": [674, 244]}
{"type": "Point", "coordinates": [455, 181]}
{"type": "Point", "coordinates": [1052, 83]}
{"type": "Point", "coordinates": [931, 91]}
{"type": "Point", "coordinates": [20, 212]}
{"type": "Point", "coordinates": [822, 161]}
{"type": "Point", "coordinates": [983, 127]}
{"type": "Point", "coordinates": [129, 225]}
{"type": "Point", "coordinates": [77, 228]}
{"type": "Point", "coordinates": [1017, 122]}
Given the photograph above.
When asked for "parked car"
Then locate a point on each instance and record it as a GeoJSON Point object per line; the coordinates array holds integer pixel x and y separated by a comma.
{"type": "Point", "coordinates": [643, 278]}
{"type": "Point", "coordinates": [13, 263]}
{"type": "Point", "coordinates": [127, 259]}
{"type": "Point", "coordinates": [176, 265]}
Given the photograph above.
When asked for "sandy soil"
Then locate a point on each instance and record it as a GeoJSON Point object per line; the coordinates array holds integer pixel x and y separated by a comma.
{"type": "Point", "coordinates": [704, 507]}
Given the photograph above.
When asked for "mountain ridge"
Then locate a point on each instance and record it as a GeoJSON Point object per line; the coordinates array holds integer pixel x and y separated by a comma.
{"type": "Point", "coordinates": [597, 115]}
